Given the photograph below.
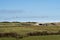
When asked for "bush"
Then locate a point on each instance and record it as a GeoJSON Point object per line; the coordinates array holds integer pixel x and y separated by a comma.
{"type": "Point", "coordinates": [37, 33]}
{"type": "Point", "coordinates": [15, 35]}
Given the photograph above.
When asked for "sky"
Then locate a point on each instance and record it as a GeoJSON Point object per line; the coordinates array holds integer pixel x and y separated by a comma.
{"type": "Point", "coordinates": [30, 10]}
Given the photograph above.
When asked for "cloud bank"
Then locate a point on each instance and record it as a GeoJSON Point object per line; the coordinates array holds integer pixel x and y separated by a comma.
{"type": "Point", "coordinates": [11, 11]}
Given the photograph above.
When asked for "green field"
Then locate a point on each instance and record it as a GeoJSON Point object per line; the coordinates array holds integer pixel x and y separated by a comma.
{"type": "Point", "coordinates": [23, 28]}
{"type": "Point", "coordinates": [50, 37]}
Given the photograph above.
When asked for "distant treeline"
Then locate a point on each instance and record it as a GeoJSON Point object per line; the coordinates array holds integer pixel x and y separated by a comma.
{"type": "Point", "coordinates": [16, 22]}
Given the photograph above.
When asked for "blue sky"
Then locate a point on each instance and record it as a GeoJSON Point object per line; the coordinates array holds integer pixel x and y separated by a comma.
{"type": "Point", "coordinates": [29, 10]}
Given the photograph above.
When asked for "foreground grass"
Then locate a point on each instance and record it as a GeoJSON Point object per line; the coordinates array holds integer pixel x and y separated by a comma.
{"type": "Point", "coordinates": [49, 37]}
{"type": "Point", "coordinates": [7, 38]}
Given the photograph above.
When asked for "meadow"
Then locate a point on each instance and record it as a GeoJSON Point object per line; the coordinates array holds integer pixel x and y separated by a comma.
{"type": "Point", "coordinates": [23, 28]}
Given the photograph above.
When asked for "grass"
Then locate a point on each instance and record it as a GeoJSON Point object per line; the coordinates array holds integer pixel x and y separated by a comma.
{"type": "Point", "coordinates": [28, 29]}
{"type": "Point", "coordinates": [50, 37]}
{"type": "Point", "coordinates": [7, 38]}
{"type": "Point", "coordinates": [23, 29]}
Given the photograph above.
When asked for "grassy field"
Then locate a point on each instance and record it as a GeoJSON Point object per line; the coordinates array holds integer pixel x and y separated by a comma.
{"type": "Point", "coordinates": [50, 37]}
{"type": "Point", "coordinates": [23, 28]}
{"type": "Point", "coordinates": [29, 29]}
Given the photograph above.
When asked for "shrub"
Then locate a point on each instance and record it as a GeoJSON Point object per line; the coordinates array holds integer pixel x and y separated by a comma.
{"type": "Point", "coordinates": [15, 35]}
{"type": "Point", "coordinates": [37, 33]}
